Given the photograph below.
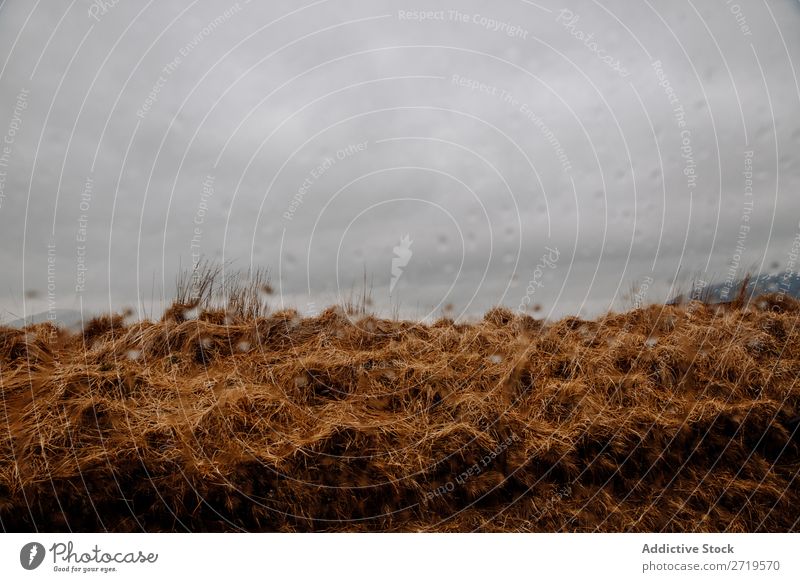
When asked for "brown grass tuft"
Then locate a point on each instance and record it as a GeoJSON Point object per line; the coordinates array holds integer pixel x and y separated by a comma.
{"type": "Point", "coordinates": [224, 416]}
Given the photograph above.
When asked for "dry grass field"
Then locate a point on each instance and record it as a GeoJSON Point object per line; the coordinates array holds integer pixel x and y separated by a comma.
{"type": "Point", "coordinates": [665, 418]}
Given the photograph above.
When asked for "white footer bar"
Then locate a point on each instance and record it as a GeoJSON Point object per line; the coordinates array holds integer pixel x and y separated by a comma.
{"type": "Point", "coordinates": [388, 557]}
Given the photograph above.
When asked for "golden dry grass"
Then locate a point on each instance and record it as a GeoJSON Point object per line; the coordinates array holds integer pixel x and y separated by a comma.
{"type": "Point", "coordinates": [667, 418]}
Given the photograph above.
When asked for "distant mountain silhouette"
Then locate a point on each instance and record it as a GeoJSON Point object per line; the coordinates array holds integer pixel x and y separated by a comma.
{"type": "Point", "coordinates": [761, 285]}
{"type": "Point", "coordinates": [64, 317]}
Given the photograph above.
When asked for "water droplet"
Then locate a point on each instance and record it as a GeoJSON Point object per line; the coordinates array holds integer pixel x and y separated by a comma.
{"type": "Point", "coordinates": [191, 314]}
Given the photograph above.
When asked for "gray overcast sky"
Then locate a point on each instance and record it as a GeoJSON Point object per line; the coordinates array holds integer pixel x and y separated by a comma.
{"type": "Point", "coordinates": [310, 138]}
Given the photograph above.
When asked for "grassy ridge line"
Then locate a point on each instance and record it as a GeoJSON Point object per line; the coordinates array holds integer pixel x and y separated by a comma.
{"type": "Point", "coordinates": [674, 418]}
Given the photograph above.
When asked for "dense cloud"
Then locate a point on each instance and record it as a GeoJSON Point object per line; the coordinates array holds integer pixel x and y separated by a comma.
{"type": "Point", "coordinates": [445, 153]}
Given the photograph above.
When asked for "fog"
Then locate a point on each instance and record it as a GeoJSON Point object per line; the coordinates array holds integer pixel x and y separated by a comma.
{"type": "Point", "coordinates": [578, 156]}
